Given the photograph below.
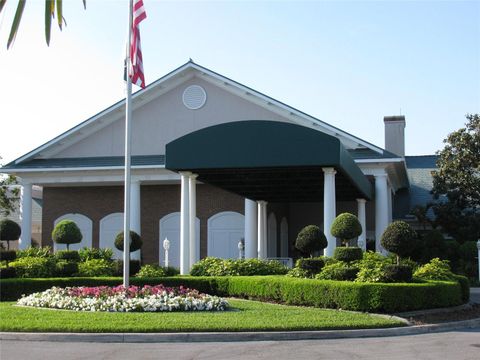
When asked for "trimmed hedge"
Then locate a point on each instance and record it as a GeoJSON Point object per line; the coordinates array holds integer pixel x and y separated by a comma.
{"type": "Point", "coordinates": [372, 297]}
{"type": "Point", "coordinates": [348, 254]}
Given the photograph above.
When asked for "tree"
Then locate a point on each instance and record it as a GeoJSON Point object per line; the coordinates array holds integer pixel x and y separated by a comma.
{"type": "Point", "coordinates": [346, 227]}
{"type": "Point", "coordinates": [135, 241]}
{"type": "Point", "coordinates": [456, 184]}
{"type": "Point", "coordinates": [66, 232]}
{"type": "Point", "coordinates": [9, 231]}
{"type": "Point", "coordinates": [399, 238]}
{"type": "Point", "coordinates": [51, 7]}
{"type": "Point", "coordinates": [310, 239]}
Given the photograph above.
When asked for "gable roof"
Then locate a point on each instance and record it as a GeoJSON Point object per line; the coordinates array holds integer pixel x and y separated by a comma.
{"type": "Point", "coordinates": [175, 78]}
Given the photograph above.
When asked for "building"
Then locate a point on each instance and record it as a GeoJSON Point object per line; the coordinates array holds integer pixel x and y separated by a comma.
{"type": "Point", "coordinates": [213, 161]}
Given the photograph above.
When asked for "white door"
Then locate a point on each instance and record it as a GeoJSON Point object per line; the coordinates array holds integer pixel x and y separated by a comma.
{"type": "Point", "coordinates": [272, 236]}
{"type": "Point", "coordinates": [284, 238]}
{"type": "Point", "coordinates": [110, 226]}
{"type": "Point", "coordinates": [170, 229]}
{"type": "Point", "coordinates": [85, 226]}
{"type": "Point", "coordinates": [225, 230]}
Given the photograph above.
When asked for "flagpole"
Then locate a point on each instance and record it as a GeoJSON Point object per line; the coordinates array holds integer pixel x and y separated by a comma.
{"type": "Point", "coordinates": [128, 138]}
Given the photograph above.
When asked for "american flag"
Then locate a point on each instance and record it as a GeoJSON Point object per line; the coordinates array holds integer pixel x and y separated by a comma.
{"type": "Point", "coordinates": [136, 64]}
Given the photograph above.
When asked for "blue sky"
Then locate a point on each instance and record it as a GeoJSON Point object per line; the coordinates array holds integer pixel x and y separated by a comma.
{"type": "Point", "coordinates": [346, 63]}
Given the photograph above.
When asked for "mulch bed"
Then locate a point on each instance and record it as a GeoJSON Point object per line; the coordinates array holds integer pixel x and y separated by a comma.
{"type": "Point", "coordinates": [472, 312]}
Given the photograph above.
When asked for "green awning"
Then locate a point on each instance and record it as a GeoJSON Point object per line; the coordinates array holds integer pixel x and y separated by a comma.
{"type": "Point", "coordinates": [268, 160]}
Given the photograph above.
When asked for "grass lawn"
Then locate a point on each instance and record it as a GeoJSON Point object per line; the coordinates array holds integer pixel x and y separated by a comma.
{"type": "Point", "coordinates": [244, 316]}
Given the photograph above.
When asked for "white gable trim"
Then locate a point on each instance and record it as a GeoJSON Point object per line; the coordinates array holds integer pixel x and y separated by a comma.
{"type": "Point", "coordinates": [173, 79]}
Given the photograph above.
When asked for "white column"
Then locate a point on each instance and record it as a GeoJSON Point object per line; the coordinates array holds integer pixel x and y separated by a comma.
{"type": "Point", "coordinates": [362, 239]}
{"type": "Point", "coordinates": [390, 202]}
{"type": "Point", "coordinates": [251, 243]}
{"type": "Point", "coordinates": [329, 208]}
{"type": "Point", "coordinates": [381, 209]}
{"type": "Point", "coordinates": [262, 229]}
{"type": "Point", "coordinates": [184, 223]}
{"type": "Point", "coordinates": [135, 209]}
{"type": "Point", "coordinates": [26, 215]}
{"type": "Point", "coordinates": [193, 216]}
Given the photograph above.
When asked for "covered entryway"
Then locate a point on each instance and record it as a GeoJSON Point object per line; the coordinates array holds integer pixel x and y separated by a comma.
{"type": "Point", "coordinates": [266, 161]}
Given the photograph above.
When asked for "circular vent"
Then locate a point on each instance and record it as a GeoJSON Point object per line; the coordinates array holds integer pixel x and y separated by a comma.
{"type": "Point", "coordinates": [194, 97]}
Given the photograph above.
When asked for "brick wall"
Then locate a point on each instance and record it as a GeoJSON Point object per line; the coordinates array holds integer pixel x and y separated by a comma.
{"type": "Point", "coordinates": [156, 202]}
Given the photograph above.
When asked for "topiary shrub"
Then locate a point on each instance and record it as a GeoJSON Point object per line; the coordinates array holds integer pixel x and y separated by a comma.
{"type": "Point", "coordinates": [9, 231]}
{"type": "Point", "coordinates": [296, 272]}
{"type": "Point", "coordinates": [67, 255]}
{"type": "Point", "coordinates": [92, 253]}
{"type": "Point", "coordinates": [346, 227]}
{"type": "Point", "coordinates": [310, 239]}
{"type": "Point", "coordinates": [397, 273]}
{"type": "Point", "coordinates": [311, 266]}
{"type": "Point", "coordinates": [96, 267]}
{"type": "Point", "coordinates": [338, 271]}
{"type": "Point", "coordinates": [135, 241]}
{"type": "Point", "coordinates": [66, 268]}
{"type": "Point", "coordinates": [399, 238]}
{"type": "Point", "coordinates": [66, 232]}
{"type": "Point", "coordinates": [348, 254]}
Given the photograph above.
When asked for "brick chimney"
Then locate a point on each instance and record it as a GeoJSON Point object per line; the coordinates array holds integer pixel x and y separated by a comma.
{"type": "Point", "coordinates": [395, 134]}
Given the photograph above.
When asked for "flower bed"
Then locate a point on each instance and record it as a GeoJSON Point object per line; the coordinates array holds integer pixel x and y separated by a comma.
{"type": "Point", "coordinates": [121, 299]}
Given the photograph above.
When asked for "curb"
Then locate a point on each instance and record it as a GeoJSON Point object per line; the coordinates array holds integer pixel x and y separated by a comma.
{"type": "Point", "coordinates": [238, 336]}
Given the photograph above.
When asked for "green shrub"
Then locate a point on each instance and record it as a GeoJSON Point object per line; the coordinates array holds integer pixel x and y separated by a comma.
{"type": "Point", "coordinates": [34, 267]}
{"type": "Point", "coordinates": [312, 266]}
{"type": "Point", "coordinates": [66, 268]}
{"type": "Point", "coordinates": [371, 267]}
{"type": "Point", "coordinates": [297, 272]}
{"type": "Point", "coordinates": [92, 253]}
{"type": "Point", "coordinates": [154, 270]}
{"type": "Point", "coordinates": [8, 255]}
{"type": "Point", "coordinates": [397, 273]}
{"type": "Point", "coordinates": [7, 273]}
{"type": "Point", "coordinates": [96, 267]}
{"type": "Point", "coordinates": [9, 231]}
{"type": "Point", "coordinates": [346, 227]}
{"type": "Point", "coordinates": [43, 252]}
{"type": "Point", "coordinates": [399, 238]}
{"type": "Point", "coordinates": [135, 241]}
{"type": "Point", "coordinates": [211, 266]}
{"type": "Point", "coordinates": [310, 239]}
{"type": "Point", "coordinates": [133, 268]}
{"type": "Point", "coordinates": [436, 269]}
{"type": "Point", "coordinates": [338, 271]}
{"type": "Point", "coordinates": [348, 254]}
{"type": "Point", "coordinates": [66, 232]}
{"type": "Point", "coordinates": [151, 271]}
{"type": "Point", "coordinates": [67, 255]}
